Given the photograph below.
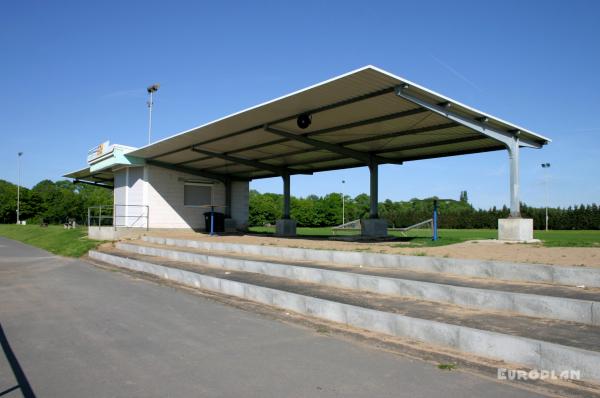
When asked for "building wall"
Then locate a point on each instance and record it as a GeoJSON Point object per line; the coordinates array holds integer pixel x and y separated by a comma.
{"type": "Point", "coordinates": [162, 191]}
{"type": "Point", "coordinates": [137, 210]}
{"type": "Point", "coordinates": [120, 196]}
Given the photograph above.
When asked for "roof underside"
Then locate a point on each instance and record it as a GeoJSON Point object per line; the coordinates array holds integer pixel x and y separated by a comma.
{"type": "Point", "coordinates": [104, 177]}
{"type": "Point", "coordinates": [354, 116]}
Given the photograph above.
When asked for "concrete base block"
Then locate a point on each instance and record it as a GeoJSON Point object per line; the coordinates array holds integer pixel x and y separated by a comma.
{"type": "Point", "coordinates": [373, 227]}
{"type": "Point", "coordinates": [285, 228]}
{"type": "Point", "coordinates": [515, 229]}
{"type": "Point", "coordinates": [110, 233]}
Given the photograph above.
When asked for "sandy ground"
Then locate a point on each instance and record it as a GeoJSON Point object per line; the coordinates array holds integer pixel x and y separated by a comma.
{"type": "Point", "coordinates": [484, 250]}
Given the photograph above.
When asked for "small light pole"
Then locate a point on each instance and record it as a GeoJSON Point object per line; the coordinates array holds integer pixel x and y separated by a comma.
{"type": "Point", "coordinates": [546, 166]}
{"type": "Point", "coordinates": [19, 188]}
{"type": "Point", "coordinates": [151, 89]}
{"type": "Point", "coordinates": [343, 205]}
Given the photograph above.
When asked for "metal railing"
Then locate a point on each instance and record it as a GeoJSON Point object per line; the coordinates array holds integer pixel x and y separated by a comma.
{"type": "Point", "coordinates": [119, 216]}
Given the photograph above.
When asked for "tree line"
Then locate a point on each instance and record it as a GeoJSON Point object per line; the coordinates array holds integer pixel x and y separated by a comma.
{"type": "Point", "coordinates": [326, 211]}
{"type": "Point", "coordinates": [57, 202]}
{"type": "Point", "coordinates": [51, 202]}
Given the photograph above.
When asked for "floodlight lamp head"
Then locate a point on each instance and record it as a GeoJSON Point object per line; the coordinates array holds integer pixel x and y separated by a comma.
{"type": "Point", "coordinates": [304, 120]}
{"type": "Point", "coordinates": [153, 88]}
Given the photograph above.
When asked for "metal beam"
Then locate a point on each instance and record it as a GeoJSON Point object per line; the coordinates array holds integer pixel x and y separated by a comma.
{"type": "Point", "coordinates": [189, 170]}
{"type": "Point", "coordinates": [93, 184]}
{"type": "Point", "coordinates": [248, 162]}
{"type": "Point", "coordinates": [373, 120]}
{"type": "Point", "coordinates": [431, 145]}
{"type": "Point", "coordinates": [394, 134]}
{"type": "Point", "coordinates": [480, 126]}
{"type": "Point", "coordinates": [334, 129]}
{"type": "Point", "coordinates": [285, 119]}
{"type": "Point", "coordinates": [335, 148]}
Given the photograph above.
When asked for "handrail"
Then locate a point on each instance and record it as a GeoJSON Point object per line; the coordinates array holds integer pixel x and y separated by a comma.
{"type": "Point", "coordinates": [97, 218]}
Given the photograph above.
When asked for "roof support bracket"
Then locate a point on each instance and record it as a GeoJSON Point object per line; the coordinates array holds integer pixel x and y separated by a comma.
{"type": "Point", "coordinates": [507, 138]}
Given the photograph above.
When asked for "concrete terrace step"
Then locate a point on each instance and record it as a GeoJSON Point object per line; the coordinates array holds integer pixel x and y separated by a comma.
{"type": "Point", "coordinates": [533, 342]}
{"type": "Point", "coordinates": [497, 270]}
{"type": "Point", "coordinates": [388, 282]}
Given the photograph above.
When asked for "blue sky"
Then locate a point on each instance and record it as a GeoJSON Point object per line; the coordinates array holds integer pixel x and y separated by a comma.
{"type": "Point", "coordinates": [73, 74]}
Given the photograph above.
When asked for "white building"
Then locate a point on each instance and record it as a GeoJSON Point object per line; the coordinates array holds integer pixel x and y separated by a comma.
{"type": "Point", "coordinates": [153, 197]}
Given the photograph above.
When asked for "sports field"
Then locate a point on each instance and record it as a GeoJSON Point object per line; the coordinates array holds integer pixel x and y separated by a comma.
{"type": "Point", "coordinates": [422, 237]}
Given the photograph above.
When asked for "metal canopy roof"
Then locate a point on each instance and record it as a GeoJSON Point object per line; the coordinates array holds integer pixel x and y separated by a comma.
{"type": "Point", "coordinates": [104, 177]}
{"type": "Point", "coordinates": [362, 116]}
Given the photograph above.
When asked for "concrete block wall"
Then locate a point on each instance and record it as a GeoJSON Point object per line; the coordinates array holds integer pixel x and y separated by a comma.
{"type": "Point", "coordinates": [163, 191]}
{"type": "Point", "coordinates": [165, 198]}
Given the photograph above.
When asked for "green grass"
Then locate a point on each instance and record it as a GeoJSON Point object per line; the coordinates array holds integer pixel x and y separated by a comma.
{"type": "Point", "coordinates": [54, 238]}
{"type": "Point", "coordinates": [422, 237]}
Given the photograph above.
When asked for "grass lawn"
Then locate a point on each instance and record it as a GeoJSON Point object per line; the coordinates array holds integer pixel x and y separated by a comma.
{"type": "Point", "coordinates": [422, 237]}
{"type": "Point", "coordinates": [54, 238]}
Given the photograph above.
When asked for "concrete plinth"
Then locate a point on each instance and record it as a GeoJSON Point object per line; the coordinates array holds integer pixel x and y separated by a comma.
{"type": "Point", "coordinates": [285, 227]}
{"type": "Point", "coordinates": [373, 227]}
{"type": "Point", "coordinates": [110, 233]}
{"type": "Point", "coordinates": [515, 229]}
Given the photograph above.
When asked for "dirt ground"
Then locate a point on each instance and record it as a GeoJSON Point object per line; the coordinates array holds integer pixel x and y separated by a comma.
{"type": "Point", "coordinates": [483, 250]}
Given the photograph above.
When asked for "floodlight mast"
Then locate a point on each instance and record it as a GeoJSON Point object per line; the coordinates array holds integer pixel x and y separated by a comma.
{"type": "Point", "coordinates": [546, 166]}
{"type": "Point", "coordinates": [151, 89]}
{"type": "Point", "coordinates": [19, 188]}
{"type": "Point", "coordinates": [343, 205]}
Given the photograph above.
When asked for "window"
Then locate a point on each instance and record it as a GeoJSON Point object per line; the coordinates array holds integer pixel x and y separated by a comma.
{"type": "Point", "coordinates": [195, 194]}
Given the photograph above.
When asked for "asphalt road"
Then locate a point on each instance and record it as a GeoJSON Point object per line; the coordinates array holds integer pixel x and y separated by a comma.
{"type": "Point", "coordinates": [70, 329]}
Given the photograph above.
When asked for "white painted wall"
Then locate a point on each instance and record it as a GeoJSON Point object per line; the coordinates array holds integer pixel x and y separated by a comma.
{"type": "Point", "coordinates": [136, 211]}
{"type": "Point", "coordinates": [162, 190]}
{"type": "Point", "coordinates": [120, 196]}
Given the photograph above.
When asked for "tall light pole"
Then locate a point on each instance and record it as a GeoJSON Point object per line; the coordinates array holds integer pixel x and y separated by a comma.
{"type": "Point", "coordinates": [343, 205]}
{"type": "Point", "coordinates": [151, 90]}
{"type": "Point", "coordinates": [19, 187]}
{"type": "Point", "coordinates": [546, 166]}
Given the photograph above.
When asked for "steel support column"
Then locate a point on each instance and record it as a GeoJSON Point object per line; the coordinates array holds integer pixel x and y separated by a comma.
{"type": "Point", "coordinates": [228, 198]}
{"type": "Point", "coordinates": [515, 200]}
{"type": "Point", "coordinates": [374, 177]}
{"type": "Point", "coordinates": [286, 197]}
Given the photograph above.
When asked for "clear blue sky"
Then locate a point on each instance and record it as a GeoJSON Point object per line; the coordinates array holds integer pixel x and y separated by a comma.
{"type": "Point", "coordinates": [73, 74]}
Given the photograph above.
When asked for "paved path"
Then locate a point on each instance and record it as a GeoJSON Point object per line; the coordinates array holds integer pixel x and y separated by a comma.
{"type": "Point", "coordinates": [69, 329]}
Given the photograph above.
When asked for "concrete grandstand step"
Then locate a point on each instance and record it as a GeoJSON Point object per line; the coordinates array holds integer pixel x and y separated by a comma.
{"type": "Point", "coordinates": [533, 342]}
{"type": "Point", "coordinates": [496, 270]}
{"type": "Point", "coordinates": [517, 299]}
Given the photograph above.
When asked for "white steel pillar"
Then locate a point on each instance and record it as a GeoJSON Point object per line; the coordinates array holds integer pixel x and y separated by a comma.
{"type": "Point", "coordinates": [515, 199]}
